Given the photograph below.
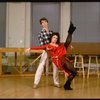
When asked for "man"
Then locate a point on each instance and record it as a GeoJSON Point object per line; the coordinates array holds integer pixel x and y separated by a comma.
{"type": "Point", "coordinates": [44, 37]}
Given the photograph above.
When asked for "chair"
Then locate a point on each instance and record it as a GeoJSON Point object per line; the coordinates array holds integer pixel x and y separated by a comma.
{"type": "Point", "coordinates": [93, 64]}
{"type": "Point", "coordinates": [5, 59]}
{"type": "Point", "coordinates": [5, 63]}
{"type": "Point", "coordinates": [79, 64]}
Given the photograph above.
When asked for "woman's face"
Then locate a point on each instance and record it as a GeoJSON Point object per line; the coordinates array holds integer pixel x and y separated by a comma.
{"type": "Point", "coordinates": [54, 39]}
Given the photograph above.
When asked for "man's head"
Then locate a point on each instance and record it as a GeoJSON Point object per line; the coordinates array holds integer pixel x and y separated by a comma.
{"type": "Point", "coordinates": [44, 22]}
{"type": "Point", "coordinates": [43, 19]}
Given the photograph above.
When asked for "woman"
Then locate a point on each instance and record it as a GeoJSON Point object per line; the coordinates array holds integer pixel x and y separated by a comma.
{"type": "Point", "coordinates": [58, 51]}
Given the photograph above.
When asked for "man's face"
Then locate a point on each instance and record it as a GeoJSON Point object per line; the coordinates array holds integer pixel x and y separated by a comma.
{"type": "Point", "coordinates": [44, 23]}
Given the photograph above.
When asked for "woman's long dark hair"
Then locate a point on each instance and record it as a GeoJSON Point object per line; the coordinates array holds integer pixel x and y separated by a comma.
{"type": "Point", "coordinates": [57, 34]}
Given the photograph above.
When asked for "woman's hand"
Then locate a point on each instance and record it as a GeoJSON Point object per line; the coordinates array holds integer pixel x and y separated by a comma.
{"type": "Point", "coordinates": [27, 50]}
{"type": "Point", "coordinates": [71, 47]}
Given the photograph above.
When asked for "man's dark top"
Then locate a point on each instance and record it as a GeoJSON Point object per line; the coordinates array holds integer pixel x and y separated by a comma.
{"type": "Point", "coordinates": [44, 37]}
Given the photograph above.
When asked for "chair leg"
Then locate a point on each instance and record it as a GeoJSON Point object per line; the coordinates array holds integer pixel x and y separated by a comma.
{"type": "Point", "coordinates": [97, 66]}
{"type": "Point", "coordinates": [89, 66]}
{"type": "Point", "coordinates": [80, 58]}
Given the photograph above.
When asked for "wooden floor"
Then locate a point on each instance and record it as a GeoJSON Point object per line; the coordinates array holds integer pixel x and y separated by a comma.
{"type": "Point", "coordinates": [21, 87]}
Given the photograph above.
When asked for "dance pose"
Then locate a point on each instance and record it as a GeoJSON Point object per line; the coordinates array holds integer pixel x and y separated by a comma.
{"type": "Point", "coordinates": [58, 52]}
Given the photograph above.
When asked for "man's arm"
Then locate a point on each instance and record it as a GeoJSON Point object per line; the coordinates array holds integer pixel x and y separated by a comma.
{"type": "Point", "coordinates": [40, 38]}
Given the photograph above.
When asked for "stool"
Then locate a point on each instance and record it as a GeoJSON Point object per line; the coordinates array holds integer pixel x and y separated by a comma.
{"type": "Point", "coordinates": [92, 67]}
{"type": "Point", "coordinates": [79, 64]}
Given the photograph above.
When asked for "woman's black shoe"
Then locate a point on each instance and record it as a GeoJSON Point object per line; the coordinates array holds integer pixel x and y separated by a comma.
{"type": "Point", "coordinates": [71, 28]}
{"type": "Point", "coordinates": [67, 88]}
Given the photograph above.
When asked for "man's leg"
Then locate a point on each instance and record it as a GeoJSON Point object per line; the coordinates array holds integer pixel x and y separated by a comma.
{"type": "Point", "coordinates": [40, 69]}
{"type": "Point", "coordinates": [47, 66]}
{"type": "Point", "coordinates": [55, 76]}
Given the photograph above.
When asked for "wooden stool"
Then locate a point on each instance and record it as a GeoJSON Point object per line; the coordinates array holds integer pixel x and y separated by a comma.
{"type": "Point", "coordinates": [79, 64]}
{"type": "Point", "coordinates": [92, 67]}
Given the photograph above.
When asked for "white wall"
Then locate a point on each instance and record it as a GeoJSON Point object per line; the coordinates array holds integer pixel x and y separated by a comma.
{"type": "Point", "coordinates": [65, 20]}
{"type": "Point", "coordinates": [86, 17]}
{"type": "Point", "coordinates": [18, 24]}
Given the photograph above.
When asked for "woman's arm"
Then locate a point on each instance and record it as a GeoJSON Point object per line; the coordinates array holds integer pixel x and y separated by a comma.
{"type": "Point", "coordinates": [47, 47]}
{"type": "Point", "coordinates": [36, 48]}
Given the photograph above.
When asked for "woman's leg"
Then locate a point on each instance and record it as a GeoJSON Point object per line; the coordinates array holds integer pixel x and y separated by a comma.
{"type": "Point", "coordinates": [68, 67]}
{"type": "Point", "coordinates": [69, 37]}
{"type": "Point", "coordinates": [68, 41]}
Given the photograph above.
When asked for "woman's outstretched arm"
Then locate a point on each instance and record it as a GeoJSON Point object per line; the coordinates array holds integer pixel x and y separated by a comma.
{"type": "Point", "coordinates": [36, 48]}
{"type": "Point", "coordinates": [46, 47]}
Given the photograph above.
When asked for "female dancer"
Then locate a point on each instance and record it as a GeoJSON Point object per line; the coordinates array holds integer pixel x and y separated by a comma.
{"type": "Point", "coordinates": [58, 51]}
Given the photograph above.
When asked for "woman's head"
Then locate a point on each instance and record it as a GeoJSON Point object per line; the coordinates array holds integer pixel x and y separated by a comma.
{"type": "Point", "coordinates": [55, 38]}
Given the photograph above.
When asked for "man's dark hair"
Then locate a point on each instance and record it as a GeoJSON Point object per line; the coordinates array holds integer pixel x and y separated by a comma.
{"type": "Point", "coordinates": [43, 18]}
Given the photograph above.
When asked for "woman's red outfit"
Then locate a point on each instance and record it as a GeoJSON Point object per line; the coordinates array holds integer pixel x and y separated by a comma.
{"type": "Point", "coordinates": [57, 53]}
